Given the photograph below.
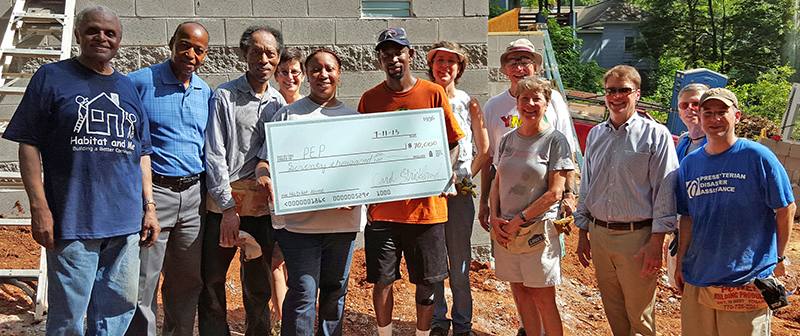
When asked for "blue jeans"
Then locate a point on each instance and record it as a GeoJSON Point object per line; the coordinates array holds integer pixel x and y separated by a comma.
{"type": "Point", "coordinates": [95, 277]}
{"type": "Point", "coordinates": [315, 262]}
{"type": "Point", "coordinates": [458, 231]}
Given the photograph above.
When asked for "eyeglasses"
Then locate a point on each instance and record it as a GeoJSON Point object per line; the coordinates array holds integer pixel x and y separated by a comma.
{"type": "Point", "coordinates": [293, 73]}
{"type": "Point", "coordinates": [523, 61]}
{"type": "Point", "coordinates": [686, 105]}
{"type": "Point", "coordinates": [623, 91]}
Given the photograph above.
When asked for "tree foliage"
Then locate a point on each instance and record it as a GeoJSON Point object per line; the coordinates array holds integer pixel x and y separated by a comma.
{"type": "Point", "coordinates": [587, 77]}
{"type": "Point", "coordinates": [768, 95]}
{"type": "Point", "coordinates": [744, 36]}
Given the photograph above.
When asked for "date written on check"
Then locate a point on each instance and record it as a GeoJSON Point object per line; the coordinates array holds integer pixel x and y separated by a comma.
{"type": "Point", "coordinates": [334, 162]}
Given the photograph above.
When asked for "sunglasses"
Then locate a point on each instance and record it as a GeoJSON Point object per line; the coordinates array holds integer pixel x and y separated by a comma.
{"type": "Point", "coordinates": [686, 105]}
{"type": "Point", "coordinates": [623, 91]}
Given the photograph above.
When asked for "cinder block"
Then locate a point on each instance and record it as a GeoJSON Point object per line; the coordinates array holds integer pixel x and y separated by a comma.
{"type": "Point", "coordinates": [782, 159]}
{"type": "Point", "coordinates": [782, 148]}
{"type": "Point", "coordinates": [464, 30]}
{"type": "Point", "coordinates": [121, 7]}
{"type": "Point", "coordinates": [280, 8]}
{"type": "Point", "coordinates": [335, 9]}
{"type": "Point", "coordinates": [796, 191]}
{"type": "Point", "coordinates": [419, 31]}
{"type": "Point", "coordinates": [354, 84]}
{"type": "Point", "coordinates": [144, 32]}
{"type": "Point", "coordinates": [496, 88]}
{"type": "Point", "coordinates": [235, 27]}
{"type": "Point", "coordinates": [792, 164]}
{"type": "Point", "coordinates": [359, 31]}
{"type": "Point", "coordinates": [474, 82]}
{"type": "Point", "coordinates": [476, 8]}
{"type": "Point", "coordinates": [437, 9]}
{"type": "Point", "coordinates": [159, 8]}
{"type": "Point", "coordinates": [794, 151]}
{"type": "Point", "coordinates": [351, 102]}
{"type": "Point", "coordinates": [214, 80]}
{"type": "Point", "coordinates": [212, 8]}
{"type": "Point", "coordinates": [8, 151]}
{"type": "Point", "coordinates": [215, 27]}
{"type": "Point", "coordinates": [770, 143]}
{"type": "Point", "coordinates": [308, 31]}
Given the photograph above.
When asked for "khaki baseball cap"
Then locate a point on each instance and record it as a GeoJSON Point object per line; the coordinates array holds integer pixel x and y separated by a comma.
{"type": "Point", "coordinates": [521, 45]}
{"type": "Point", "coordinates": [721, 94]}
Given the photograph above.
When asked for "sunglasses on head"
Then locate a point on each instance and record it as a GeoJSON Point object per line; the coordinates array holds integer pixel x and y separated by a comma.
{"type": "Point", "coordinates": [686, 105]}
{"type": "Point", "coordinates": [613, 91]}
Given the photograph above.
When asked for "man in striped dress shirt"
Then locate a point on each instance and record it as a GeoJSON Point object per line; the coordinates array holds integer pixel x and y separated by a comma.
{"type": "Point", "coordinates": [628, 160]}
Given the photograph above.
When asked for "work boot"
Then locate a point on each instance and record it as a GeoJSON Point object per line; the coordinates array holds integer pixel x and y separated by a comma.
{"type": "Point", "coordinates": [438, 331]}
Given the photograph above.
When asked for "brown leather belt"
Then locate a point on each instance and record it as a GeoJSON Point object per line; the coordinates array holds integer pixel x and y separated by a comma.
{"type": "Point", "coordinates": [631, 226]}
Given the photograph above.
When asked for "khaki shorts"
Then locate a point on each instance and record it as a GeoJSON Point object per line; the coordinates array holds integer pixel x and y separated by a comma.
{"type": "Point", "coordinates": [700, 320]}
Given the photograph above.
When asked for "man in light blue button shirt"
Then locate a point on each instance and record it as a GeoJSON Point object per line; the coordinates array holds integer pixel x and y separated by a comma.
{"type": "Point", "coordinates": [176, 101]}
{"type": "Point", "coordinates": [623, 207]}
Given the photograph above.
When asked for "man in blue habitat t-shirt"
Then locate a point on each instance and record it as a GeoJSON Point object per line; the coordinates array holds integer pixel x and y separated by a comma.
{"type": "Point", "coordinates": [737, 211]}
{"type": "Point", "coordinates": [86, 122]}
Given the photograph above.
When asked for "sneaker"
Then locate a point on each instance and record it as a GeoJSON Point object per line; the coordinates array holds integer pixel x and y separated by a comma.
{"type": "Point", "coordinates": [276, 329]}
{"type": "Point", "coordinates": [466, 333]}
{"type": "Point", "coordinates": [521, 332]}
{"type": "Point", "coordinates": [437, 331]}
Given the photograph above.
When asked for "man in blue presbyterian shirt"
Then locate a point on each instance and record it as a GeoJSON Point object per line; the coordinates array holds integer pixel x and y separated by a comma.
{"type": "Point", "coordinates": [737, 210]}
{"type": "Point", "coordinates": [176, 101]}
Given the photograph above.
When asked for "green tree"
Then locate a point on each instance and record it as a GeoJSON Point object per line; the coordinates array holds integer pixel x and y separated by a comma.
{"type": "Point", "coordinates": [768, 95]}
{"type": "Point", "coordinates": [587, 77]}
{"type": "Point", "coordinates": [755, 36]}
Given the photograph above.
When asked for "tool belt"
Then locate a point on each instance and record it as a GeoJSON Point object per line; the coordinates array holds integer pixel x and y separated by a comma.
{"type": "Point", "coordinates": [176, 184]}
{"type": "Point", "coordinates": [630, 226]}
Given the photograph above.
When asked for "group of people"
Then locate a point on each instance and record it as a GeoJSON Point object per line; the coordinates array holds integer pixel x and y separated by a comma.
{"type": "Point", "coordinates": [154, 174]}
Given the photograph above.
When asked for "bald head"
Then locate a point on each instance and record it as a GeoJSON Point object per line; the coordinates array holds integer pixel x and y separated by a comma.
{"type": "Point", "coordinates": [189, 45]}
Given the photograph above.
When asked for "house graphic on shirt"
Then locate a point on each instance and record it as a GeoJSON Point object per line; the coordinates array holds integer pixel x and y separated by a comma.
{"type": "Point", "coordinates": [103, 116]}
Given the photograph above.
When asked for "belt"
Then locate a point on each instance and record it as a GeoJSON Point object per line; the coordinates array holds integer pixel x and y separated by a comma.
{"type": "Point", "coordinates": [631, 226]}
{"type": "Point", "coordinates": [175, 183]}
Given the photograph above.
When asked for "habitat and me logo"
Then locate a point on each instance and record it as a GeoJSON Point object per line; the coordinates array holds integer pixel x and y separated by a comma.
{"type": "Point", "coordinates": [103, 125]}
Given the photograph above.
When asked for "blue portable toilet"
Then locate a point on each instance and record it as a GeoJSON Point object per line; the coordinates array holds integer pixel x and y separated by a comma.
{"type": "Point", "coordinates": [685, 77]}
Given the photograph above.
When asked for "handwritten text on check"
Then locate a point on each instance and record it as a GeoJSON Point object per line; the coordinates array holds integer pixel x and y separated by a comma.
{"type": "Point", "coordinates": [371, 158]}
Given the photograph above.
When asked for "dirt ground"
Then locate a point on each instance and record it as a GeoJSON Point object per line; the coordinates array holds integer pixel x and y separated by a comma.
{"type": "Point", "coordinates": [494, 310]}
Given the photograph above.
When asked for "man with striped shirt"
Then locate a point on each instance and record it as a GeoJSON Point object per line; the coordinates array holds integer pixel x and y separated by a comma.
{"type": "Point", "coordinates": [628, 160]}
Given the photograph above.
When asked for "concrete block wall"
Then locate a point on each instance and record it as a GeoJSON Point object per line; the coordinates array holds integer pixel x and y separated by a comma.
{"type": "Point", "coordinates": [306, 24]}
{"type": "Point", "coordinates": [788, 154]}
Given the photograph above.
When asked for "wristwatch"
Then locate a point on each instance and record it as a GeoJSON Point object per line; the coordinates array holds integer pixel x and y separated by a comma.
{"type": "Point", "coordinates": [568, 191]}
{"type": "Point", "coordinates": [149, 201]}
{"type": "Point", "coordinates": [784, 259]}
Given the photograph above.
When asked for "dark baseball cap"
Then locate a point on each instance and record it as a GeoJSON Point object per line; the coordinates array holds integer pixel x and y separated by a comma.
{"type": "Point", "coordinates": [396, 35]}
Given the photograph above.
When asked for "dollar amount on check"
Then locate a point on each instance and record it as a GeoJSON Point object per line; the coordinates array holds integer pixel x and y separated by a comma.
{"type": "Point", "coordinates": [327, 163]}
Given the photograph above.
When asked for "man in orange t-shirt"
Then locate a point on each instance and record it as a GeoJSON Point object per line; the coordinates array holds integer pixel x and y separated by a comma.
{"type": "Point", "coordinates": [412, 227]}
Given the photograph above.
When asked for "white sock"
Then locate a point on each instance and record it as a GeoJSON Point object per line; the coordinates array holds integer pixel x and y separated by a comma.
{"type": "Point", "coordinates": [385, 331]}
{"type": "Point", "coordinates": [519, 318]}
{"type": "Point", "coordinates": [423, 333]}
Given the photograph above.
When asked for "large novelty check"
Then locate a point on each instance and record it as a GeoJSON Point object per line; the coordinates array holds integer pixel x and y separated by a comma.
{"type": "Point", "coordinates": [362, 159]}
